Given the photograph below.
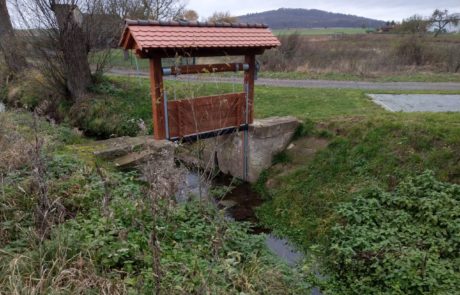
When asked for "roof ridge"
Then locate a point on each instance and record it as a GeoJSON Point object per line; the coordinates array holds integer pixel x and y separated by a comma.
{"type": "Point", "coordinates": [182, 23]}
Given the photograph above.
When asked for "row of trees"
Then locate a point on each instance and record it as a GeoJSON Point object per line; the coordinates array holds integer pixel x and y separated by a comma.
{"type": "Point", "coordinates": [59, 35]}
{"type": "Point", "coordinates": [438, 21]}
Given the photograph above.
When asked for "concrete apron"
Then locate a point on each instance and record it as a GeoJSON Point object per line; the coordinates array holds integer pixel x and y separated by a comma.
{"type": "Point", "coordinates": [266, 138]}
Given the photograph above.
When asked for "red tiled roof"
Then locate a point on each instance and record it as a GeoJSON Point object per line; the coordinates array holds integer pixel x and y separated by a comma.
{"type": "Point", "coordinates": [170, 35]}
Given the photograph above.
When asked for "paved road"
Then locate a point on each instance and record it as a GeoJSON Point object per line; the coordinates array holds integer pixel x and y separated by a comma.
{"type": "Point", "coordinates": [418, 102]}
{"type": "Point", "coordinates": [312, 83]}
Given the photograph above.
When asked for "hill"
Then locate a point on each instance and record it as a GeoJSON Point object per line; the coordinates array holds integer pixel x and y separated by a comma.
{"type": "Point", "coordinates": [284, 18]}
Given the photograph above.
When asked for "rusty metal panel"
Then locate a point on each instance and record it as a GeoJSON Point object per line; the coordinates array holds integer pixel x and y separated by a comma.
{"type": "Point", "coordinates": [204, 114]}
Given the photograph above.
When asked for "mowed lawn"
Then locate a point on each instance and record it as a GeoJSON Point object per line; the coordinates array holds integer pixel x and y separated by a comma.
{"type": "Point", "coordinates": [315, 104]}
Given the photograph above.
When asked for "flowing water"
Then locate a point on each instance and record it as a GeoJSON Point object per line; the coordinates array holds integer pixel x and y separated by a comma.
{"type": "Point", "coordinates": [240, 203]}
{"type": "Point", "coordinates": [2, 107]}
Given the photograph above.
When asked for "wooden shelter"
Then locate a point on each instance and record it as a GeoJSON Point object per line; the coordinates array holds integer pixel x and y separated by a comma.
{"type": "Point", "coordinates": [179, 119]}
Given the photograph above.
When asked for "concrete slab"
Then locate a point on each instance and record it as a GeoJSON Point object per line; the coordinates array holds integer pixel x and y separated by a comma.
{"type": "Point", "coordinates": [418, 102]}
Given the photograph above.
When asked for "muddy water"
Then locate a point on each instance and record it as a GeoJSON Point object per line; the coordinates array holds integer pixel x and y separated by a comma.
{"type": "Point", "coordinates": [240, 204]}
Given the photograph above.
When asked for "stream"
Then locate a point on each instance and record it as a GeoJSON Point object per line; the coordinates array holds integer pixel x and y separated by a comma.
{"type": "Point", "coordinates": [2, 107]}
{"type": "Point", "coordinates": [240, 203]}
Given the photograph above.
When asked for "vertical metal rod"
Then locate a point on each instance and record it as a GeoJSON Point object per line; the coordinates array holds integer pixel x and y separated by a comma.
{"type": "Point", "coordinates": [246, 136]}
{"type": "Point", "coordinates": [165, 101]}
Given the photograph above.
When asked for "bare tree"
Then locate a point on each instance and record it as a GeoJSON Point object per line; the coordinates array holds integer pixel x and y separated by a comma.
{"type": "Point", "coordinates": [65, 32]}
{"type": "Point", "coordinates": [73, 45]}
{"type": "Point", "coordinates": [188, 15]}
{"type": "Point", "coordinates": [8, 42]}
{"type": "Point", "coordinates": [442, 18]}
{"type": "Point", "coordinates": [222, 17]}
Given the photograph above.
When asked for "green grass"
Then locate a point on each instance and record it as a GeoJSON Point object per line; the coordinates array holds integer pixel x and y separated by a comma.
{"type": "Point", "coordinates": [119, 104]}
{"type": "Point", "coordinates": [367, 150]}
{"type": "Point", "coordinates": [322, 31]}
{"type": "Point", "coordinates": [380, 77]}
{"type": "Point", "coordinates": [86, 252]}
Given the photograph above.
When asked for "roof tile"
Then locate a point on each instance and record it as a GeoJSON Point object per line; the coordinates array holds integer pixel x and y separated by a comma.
{"type": "Point", "coordinates": [151, 35]}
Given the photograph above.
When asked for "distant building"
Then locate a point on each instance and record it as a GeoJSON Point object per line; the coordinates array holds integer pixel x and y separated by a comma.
{"type": "Point", "coordinates": [386, 29]}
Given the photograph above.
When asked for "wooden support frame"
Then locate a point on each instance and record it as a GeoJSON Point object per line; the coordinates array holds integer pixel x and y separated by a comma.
{"type": "Point", "coordinates": [157, 93]}
{"type": "Point", "coordinates": [232, 115]}
{"type": "Point", "coordinates": [249, 78]}
{"type": "Point", "coordinates": [203, 69]}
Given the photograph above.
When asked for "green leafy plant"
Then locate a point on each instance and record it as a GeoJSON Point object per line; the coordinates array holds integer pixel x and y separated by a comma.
{"type": "Point", "coordinates": [406, 242]}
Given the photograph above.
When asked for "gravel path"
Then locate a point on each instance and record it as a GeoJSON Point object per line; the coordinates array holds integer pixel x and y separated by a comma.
{"type": "Point", "coordinates": [311, 83]}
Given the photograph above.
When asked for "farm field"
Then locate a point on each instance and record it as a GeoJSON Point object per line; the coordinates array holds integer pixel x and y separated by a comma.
{"type": "Point", "coordinates": [322, 31]}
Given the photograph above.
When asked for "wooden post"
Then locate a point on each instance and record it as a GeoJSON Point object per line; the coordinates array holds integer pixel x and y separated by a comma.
{"type": "Point", "coordinates": [249, 77]}
{"type": "Point", "coordinates": [156, 88]}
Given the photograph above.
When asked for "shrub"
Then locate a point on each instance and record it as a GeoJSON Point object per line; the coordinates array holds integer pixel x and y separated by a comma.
{"type": "Point", "coordinates": [406, 242]}
{"type": "Point", "coordinates": [410, 51]}
{"type": "Point", "coordinates": [452, 58]}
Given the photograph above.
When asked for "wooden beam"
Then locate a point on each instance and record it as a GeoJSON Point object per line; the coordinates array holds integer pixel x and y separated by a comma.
{"type": "Point", "coordinates": [156, 88]}
{"type": "Point", "coordinates": [199, 52]}
{"type": "Point", "coordinates": [249, 77]}
{"type": "Point", "coordinates": [202, 69]}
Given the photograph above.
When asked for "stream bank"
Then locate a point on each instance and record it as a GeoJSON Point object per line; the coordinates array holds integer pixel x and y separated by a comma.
{"type": "Point", "coordinates": [240, 203]}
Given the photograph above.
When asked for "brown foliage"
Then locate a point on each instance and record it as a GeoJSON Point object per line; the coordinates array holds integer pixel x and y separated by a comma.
{"type": "Point", "coordinates": [14, 147]}
{"type": "Point", "coordinates": [362, 54]}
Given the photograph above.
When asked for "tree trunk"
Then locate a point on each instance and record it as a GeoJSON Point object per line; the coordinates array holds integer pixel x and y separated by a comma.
{"type": "Point", "coordinates": [8, 43]}
{"type": "Point", "coordinates": [74, 48]}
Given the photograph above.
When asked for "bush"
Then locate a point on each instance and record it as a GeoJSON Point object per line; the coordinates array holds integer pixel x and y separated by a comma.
{"type": "Point", "coordinates": [406, 242]}
{"type": "Point", "coordinates": [410, 51]}
{"type": "Point", "coordinates": [452, 58]}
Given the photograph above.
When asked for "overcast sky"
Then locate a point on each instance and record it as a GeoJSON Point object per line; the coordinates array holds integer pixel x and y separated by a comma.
{"type": "Point", "coordinates": [377, 9]}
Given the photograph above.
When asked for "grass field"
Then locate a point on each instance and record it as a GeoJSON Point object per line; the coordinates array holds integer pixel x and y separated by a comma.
{"type": "Point", "coordinates": [377, 77]}
{"type": "Point", "coordinates": [346, 147]}
{"type": "Point", "coordinates": [120, 103]}
{"type": "Point", "coordinates": [322, 31]}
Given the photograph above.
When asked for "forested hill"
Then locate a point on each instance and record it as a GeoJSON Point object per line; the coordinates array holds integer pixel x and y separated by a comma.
{"type": "Point", "coordinates": [284, 18]}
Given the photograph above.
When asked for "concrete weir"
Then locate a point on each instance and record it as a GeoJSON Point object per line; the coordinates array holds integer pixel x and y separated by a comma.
{"type": "Point", "coordinates": [266, 138]}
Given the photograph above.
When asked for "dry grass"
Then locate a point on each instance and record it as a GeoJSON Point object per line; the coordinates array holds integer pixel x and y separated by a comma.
{"type": "Point", "coordinates": [365, 55]}
{"type": "Point", "coordinates": [15, 149]}
{"type": "Point", "coordinates": [58, 276]}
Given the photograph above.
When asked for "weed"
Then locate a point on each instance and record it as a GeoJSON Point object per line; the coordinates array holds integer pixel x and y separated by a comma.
{"type": "Point", "coordinates": [406, 232]}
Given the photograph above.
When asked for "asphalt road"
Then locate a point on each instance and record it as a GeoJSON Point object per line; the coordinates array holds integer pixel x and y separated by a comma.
{"type": "Point", "coordinates": [309, 83]}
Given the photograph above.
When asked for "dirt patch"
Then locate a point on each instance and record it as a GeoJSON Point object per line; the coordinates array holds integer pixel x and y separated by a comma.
{"type": "Point", "coordinates": [303, 150]}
